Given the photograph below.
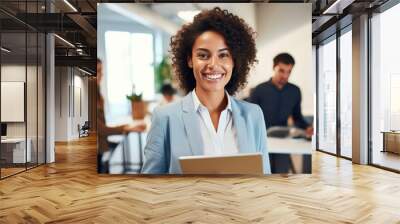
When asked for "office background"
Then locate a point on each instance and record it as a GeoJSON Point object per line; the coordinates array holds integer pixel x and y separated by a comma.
{"type": "Point", "coordinates": [346, 191]}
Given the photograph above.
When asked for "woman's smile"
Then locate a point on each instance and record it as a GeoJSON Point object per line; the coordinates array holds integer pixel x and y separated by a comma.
{"type": "Point", "coordinates": [212, 76]}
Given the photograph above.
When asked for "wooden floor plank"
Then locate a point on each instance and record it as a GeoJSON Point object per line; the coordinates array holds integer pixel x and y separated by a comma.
{"type": "Point", "coordinates": [70, 191]}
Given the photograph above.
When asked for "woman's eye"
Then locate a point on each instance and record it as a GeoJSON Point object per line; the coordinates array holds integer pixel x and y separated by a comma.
{"type": "Point", "coordinates": [224, 55]}
{"type": "Point", "coordinates": [202, 56]}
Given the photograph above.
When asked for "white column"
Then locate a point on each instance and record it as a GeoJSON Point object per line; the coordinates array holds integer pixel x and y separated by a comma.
{"type": "Point", "coordinates": [50, 100]}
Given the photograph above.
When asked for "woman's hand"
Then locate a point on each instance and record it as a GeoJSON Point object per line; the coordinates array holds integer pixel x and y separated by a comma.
{"type": "Point", "coordinates": [134, 128]}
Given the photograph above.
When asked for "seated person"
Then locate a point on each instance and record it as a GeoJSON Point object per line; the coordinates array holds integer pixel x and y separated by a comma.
{"type": "Point", "coordinates": [211, 65]}
{"type": "Point", "coordinates": [280, 99]}
{"type": "Point", "coordinates": [103, 131]}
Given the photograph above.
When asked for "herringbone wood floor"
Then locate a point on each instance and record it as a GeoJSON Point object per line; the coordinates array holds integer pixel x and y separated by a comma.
{"type": "Point", "coordinates": [70, 191]}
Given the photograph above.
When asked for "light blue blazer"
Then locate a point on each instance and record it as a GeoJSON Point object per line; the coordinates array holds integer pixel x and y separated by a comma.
{"type": "Point", "coordinates": [175, 132]}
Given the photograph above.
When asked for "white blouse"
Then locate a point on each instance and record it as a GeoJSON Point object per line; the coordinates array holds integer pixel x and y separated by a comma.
{"type": "Point", "coordinates": [222, 141]}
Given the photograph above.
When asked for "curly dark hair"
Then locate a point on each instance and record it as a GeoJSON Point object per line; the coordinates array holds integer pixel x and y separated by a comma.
{"type": "Point", "coordinates": [239, 37]}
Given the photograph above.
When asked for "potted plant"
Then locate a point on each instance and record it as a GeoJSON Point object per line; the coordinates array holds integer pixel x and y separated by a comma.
{"type": "Point", "coordinates": [138, 106]}
{"type": "Point", "coordinates": [163, 73]}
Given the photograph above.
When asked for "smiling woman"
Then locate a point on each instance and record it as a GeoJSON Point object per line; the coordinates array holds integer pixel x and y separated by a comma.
{"type": "Point", "coordinates": [237, 36]}
{"type": "Point", "coordinates": [211, 57]}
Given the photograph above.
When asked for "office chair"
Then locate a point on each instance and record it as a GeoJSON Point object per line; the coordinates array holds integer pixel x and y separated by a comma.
{"type": "Point", "coordinates": [84, 130]}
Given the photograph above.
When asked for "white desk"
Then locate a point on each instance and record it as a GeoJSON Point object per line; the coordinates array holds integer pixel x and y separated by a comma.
{"type": "Point", "coordinates": [289, 145]}
{"type": "Point", "coordinates": [18, 150]}
{"type": "Point", "coordinates": [130, 147]}
{"type": "Point", "coordinates": [289, 155]}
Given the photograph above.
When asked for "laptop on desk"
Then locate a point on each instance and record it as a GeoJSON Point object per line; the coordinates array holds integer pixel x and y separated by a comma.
{"type": "Point", "coordinates": [249, 163]}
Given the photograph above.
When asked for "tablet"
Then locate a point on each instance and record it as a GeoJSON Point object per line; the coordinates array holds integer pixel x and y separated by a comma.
{"type": "Point", "coordinates": [245, 163]}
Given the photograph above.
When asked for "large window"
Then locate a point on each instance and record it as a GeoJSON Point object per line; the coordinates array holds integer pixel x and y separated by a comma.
{"type": "Point", "coordinates": [334, 106]}
{"type": "Point", "coordinates": [327, 96]}
{"type": "Point", "coordinates": [130, 67]}
{"type": "Point", "coordinates": [385, 87]}
{"type": "Point", "coordinates": [346, 93]}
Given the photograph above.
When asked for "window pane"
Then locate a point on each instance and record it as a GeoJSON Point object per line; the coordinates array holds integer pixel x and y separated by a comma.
{"type": "Point", "coordinates": [41, 98]}
{"type": "Point", "coordinates": [118, 74]}
{"type": "Point", "coordinates": [385, 86]}
{"type": "Point", "coordinates": [327, 97]}
{"type": "Point", "coordinates": [394, 101]}
{"type": "Point", "coordinates": [128, 70]}
{"type": "Point", "coordinates": [143, 71]}
{"type": "Point", "coordinates": [346, 94]}
{"type": "Point", "coordinates": [31, 99]}
{"type": "Point", "coordinates": [14, 153]}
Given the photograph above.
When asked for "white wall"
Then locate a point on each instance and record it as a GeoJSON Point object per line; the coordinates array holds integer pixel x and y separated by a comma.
{"type": "Point", "coordinates": [285, 28]}
{"type": "Point", "coordinates": [17, 73]}
{"type": "Point", "coordinates": [61, 103]}
{"type": "Point", "coordinates": [81, 103]}
{"type": "Point", "coordinates": [33, 127]}
{"type": "Point", "coordinates": [69, 85]}
{"type": "Point", "coordinates": [247, 11]}
{"type": "Point", "coordinates": [14, 73]}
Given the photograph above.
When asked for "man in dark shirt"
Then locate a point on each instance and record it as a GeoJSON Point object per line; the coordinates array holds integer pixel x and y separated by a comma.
{"type": "Point", "coordinates": [280, 99]}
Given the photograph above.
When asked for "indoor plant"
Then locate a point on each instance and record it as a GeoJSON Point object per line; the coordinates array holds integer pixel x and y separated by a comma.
{"type": "Point", "coordinates": [163, 73]}
{"type": "Point", "coordinates": [138, 106]}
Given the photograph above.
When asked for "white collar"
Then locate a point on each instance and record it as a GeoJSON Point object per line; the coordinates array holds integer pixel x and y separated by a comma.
{"type": "Point", "coordinates": [197, 104]}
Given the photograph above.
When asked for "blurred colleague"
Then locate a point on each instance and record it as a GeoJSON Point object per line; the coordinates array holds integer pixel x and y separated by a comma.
{"type": "Point", "coordinates": [280, 100]}
{"type": "Point", "coordinates": [212, 57]}
{"type": "Point", "coordinates": [169, 94]}
{"type": "Point", "coordinates": [103, 131]}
